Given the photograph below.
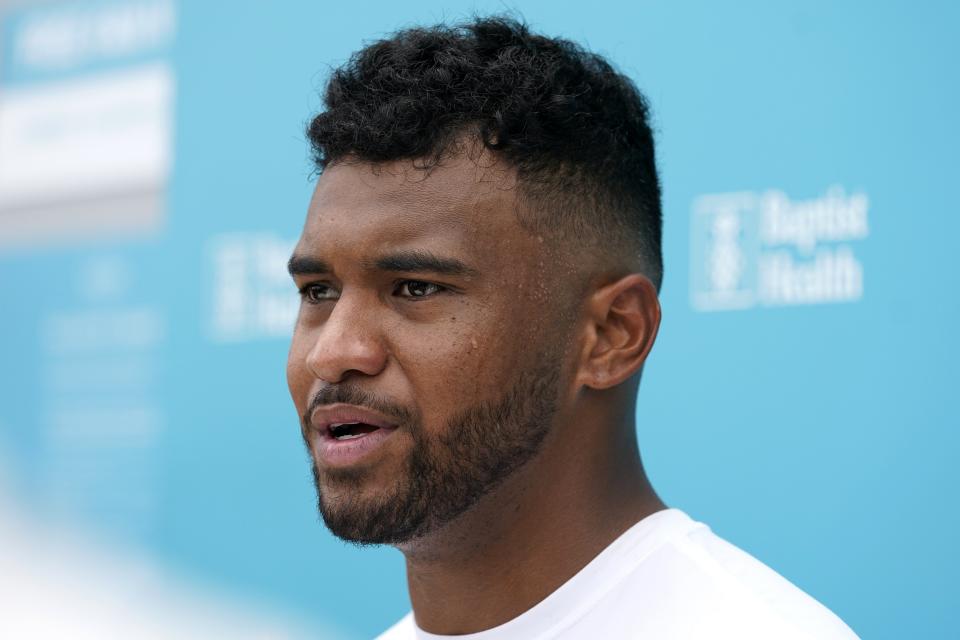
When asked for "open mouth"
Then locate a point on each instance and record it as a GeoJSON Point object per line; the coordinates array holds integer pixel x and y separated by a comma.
{"type": "Point", "coordinates": [347, 434]}
{"type": "Point", "coordinates": [350, 430]}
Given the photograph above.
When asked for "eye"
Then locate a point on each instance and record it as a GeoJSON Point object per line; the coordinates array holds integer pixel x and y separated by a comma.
{"type": "Point", "coordinates": [317, 293]}
{"type": "Point", "coordinates": [417, 289]}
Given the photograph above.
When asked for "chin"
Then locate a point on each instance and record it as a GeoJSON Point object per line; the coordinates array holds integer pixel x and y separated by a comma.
{"type": "Point", "coordinates": [363, 512]}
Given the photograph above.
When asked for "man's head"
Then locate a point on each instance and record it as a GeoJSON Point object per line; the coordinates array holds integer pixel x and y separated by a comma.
{"type": "Point", "coordinates": [482, 249]}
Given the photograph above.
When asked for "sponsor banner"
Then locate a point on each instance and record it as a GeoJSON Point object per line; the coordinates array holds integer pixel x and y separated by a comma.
{"type": "Point", "coordinates": [764, 249]}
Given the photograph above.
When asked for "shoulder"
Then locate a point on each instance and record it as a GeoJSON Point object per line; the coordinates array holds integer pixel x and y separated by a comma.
{"type": "Point", "coordinates": [747, 594]}
{"type": "Point", "coordinates": [402, 630]}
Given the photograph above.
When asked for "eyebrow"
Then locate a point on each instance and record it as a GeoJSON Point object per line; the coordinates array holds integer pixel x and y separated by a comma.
{"type": "Point", "coordinates": [300, 265]}
{"type": "Point", "coordinates": [401, 261]}
{"type": "Point", "coordinates": [423, 261]}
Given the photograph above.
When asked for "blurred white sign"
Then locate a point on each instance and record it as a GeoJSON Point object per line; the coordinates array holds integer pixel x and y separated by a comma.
{"type": "Point", "coordinates": [252, 295]}
{"type": "Point", "coordinates": [88, 155]}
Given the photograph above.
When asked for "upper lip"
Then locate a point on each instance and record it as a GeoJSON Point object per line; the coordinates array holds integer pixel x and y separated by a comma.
{"type": "Point", "coordinates": [322, 417]}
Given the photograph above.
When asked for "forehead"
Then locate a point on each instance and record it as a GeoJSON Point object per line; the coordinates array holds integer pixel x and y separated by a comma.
{"type": "Point", "coordinates": [462, 205]}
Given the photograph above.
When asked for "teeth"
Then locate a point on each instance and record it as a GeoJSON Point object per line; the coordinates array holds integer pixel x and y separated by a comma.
{"type": "Point", "coordinates": [344, 436]}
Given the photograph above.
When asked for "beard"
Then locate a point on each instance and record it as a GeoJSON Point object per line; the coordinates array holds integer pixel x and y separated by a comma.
{"type": "Point", "coordinates": [444, 474]}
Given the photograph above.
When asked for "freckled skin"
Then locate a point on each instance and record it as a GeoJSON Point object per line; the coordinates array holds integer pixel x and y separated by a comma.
{"type": "Point", "coordinates": [465, 345]}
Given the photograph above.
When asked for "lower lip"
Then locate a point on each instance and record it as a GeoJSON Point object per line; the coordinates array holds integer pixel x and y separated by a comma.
{"type": "Point", "coordinates": [339, 453]}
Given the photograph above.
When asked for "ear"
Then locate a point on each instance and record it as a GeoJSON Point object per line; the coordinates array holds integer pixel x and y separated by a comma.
{"type": "Point", "coordinates": [623, 318]}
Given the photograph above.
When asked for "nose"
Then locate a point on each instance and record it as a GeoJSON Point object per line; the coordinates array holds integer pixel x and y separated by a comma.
{"type": "Point", "coordinates": [348, 343]}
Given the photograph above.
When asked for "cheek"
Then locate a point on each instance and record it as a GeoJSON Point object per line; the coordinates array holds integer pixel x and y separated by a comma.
{"type": "Point", "coordinates": [298, 377]}
{"type": "Point", "coordinates": [463, 362]}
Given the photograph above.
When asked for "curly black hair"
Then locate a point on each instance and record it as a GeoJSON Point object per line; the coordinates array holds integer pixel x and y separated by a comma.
{"type": "Point", "coordinates": [576, 130]}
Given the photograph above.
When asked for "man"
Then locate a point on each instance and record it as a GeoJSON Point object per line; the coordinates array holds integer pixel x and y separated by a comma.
{"type": "Point", "coordinates": [479, 273]}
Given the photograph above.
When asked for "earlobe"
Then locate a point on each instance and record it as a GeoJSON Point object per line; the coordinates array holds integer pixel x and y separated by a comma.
{"type": "Point", "coordinates": [623, 318]}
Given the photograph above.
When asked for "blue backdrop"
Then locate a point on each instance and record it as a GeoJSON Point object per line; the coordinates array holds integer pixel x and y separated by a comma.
{"type": "Point", "coordinates": [798, 398]}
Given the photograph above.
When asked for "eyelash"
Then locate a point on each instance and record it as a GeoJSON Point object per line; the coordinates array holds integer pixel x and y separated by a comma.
{"type": "Point", "coordinates": [305, 290]}
{"type": "Point", "coordinates": [305, 293]}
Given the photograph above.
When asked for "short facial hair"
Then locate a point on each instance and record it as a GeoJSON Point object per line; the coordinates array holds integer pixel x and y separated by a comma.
{"type": "Point", "coordinates": [445, 475]}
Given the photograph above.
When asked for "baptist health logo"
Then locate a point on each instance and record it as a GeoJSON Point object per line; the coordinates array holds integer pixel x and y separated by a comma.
{"type": "Point", "coordinates": [763, 249]}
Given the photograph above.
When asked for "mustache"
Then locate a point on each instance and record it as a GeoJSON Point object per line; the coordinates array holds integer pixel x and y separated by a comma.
{"type": "Point", "coordinates": [351, 394]}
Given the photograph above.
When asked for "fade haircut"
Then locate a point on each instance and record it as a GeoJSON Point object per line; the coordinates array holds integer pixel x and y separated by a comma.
{"type": "Point", "coordinates": [575, 130]}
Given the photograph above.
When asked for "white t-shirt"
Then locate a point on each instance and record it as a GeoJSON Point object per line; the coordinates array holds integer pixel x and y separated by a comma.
{"type": "Point", "coordinates": [667, 577]}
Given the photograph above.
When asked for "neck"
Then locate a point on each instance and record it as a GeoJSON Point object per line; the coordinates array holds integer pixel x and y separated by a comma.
{"type": "Point", "coordinates": [533, 533]}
